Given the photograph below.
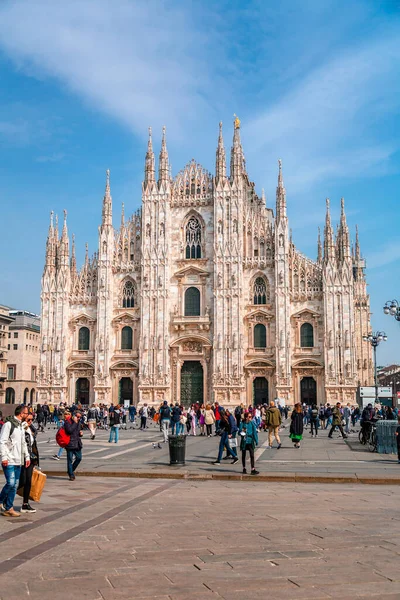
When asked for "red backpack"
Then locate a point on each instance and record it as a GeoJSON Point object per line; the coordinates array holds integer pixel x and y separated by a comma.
{"type": "Point", "coordinates": [62, 438]}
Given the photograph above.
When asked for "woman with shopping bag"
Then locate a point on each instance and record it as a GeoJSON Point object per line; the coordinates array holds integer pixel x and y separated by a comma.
{"type": "Point", "coordinates": [25, 480]}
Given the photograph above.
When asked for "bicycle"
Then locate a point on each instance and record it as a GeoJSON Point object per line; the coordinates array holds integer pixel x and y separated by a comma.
{"type": "Point", "coordinates": [367, 437]}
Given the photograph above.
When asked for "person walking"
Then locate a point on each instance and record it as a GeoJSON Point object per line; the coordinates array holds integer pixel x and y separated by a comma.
{"type": "Point", "coordinates": [175, 418]}
{"type": "Point", "coordinates": [249, 440]}
{"type": "Point", "coordinates": [144, 413]}
{"type": "Point", "coordinates": [202, 422]}
{"type": "Point", "coordinates": [182, 422]}
{"type": "Point", "coordinates": [192, 416]}
{"type": "Point", "coordinates": [337, 421]}
{"type": "Point", "coordinates": [165, 419]}
{"type": "Point", "coordinates": [25, 479]}
{"type": "Point", "coordinates": [314, 420]}
{"type": "Point", "coordinates": [328, 415]}
{"type": "Point", "coordinates": [347, 415]}
{"type": "Point", "coordinates": [40, 417]}
{"type": "Point", "coordinates": [273, 420]}
{"type": "Point", "coordinates": [73, 428]}
{"type": "Point", "coordinates": [217, 414]}
{"type": "Point", "coordinates": [92, 418]}
{"type": "Point", "coordinates": [13, 453]}
{"type": "Point", "coordinates": [226, 433]}
{"type": "Point", "coordinates": [115, 424]}
{"type": "Point", "coordinates": [132, 415]}
{"type": "Point", "coordinates": [297, 425]}
{"type": "Point", "coordinates": [209, 419]}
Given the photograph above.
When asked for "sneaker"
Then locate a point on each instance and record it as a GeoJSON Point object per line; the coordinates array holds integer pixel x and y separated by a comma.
{"type": "Point", "coordinates": [55, 457]}
{"type": "Point", "coordinates": [245, 471]}
{"type": "Point", "coordinates": [235, 460]}
{"type": "Point", "coordinates": [11, 513]}
{"type": "Point", "coordinates": [27, 508]}
{"type": "Point", "coordinates": [254, 472]}
{"type": "Point", "coordinates": [217, 462]}
{"type": "Point", "coordinates": [226, 457]}
{"type": "Point", "coordinates": [279, 445]}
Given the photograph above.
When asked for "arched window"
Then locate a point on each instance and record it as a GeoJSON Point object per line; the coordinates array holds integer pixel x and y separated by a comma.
{"type": "Point", "coordinates": [26, 396]}
{"type": "Point", "coordinates": [193, 238]}
{"type": "Point", "coordinates": [260, 336]}
{"type": "Point", "coordinates": [10, 396]}
{"type": "Point", "coordinates": [307, 336]}
{"type": "Point", "coordinates": [84, 339]}
{"type": "Point", "coordinates": [192, 302]}
{"type": "Point", "coordinates": [260, 291]}
{"type": "Point", "coordinates": [126, 338]}
{"type": "Point", "coordinates": [128, 295]}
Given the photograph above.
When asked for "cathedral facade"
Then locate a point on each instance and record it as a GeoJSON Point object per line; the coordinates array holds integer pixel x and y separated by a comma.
{"type": "Point", "coordinates": [202, 296]}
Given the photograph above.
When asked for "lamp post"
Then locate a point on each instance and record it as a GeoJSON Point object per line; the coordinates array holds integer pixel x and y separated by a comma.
{"type": "Point", "coordinates": [375, 339]}
{"type": "Point", "coordinates": [392, 307]}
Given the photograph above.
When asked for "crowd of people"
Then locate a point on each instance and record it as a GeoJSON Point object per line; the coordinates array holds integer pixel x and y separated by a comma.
{"type": "Point", "coordinates": [236, 429]}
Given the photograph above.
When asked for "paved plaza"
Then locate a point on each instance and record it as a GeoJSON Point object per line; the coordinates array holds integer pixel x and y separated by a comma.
{"type": "Point", "coordinates": [317, 458]}
{"type": "Point", "coordinates": [116, 539]}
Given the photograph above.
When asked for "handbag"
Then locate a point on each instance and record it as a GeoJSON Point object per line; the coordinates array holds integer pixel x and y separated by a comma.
{"type": "Point", "coordinates": [232, 442]}
{"type": "Point", "coordinates": [38, 483]}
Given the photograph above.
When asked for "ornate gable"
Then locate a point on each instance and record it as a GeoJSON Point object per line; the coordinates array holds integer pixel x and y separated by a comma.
{"type": "Point", "coordinates": [192, 186]}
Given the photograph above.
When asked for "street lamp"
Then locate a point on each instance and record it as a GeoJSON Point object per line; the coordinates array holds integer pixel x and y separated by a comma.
{"type": "Point", "coordinates": [375, 339]}
{"type": "Point", "coordinates": [392, 307]}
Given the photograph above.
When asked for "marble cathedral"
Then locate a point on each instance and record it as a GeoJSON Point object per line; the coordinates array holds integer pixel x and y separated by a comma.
{"type": "Point", "coordinates": [202, 296]}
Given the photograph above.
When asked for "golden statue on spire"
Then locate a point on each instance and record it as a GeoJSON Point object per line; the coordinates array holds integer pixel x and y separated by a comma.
{"type": "Point", "coordinates": [236, 122]}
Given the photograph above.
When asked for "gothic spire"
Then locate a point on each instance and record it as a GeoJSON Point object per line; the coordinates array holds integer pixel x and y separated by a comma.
{"type": "Point", "coordinates": [280, 195]}
{"type": "Point", "coordinates": [163, 164]}
{"type": "Point", "coordinates": [86, 255]}
{"type": "Point", "coordinates": [220, 160]}
{"type": "Point", "coordinates": [357, 253]}
{"type": "Point", "coordinates": [329, 243]}
{"type": "Point", "coordinates": [50, 245]}
{"type": "Point", "coordinates": [64, 243]}
{"type": "Point", "coordinates": [73, 257]}
{"type": "Point", "coordinates": [319, 256]}
{"type": "Point", "coordinates": [343, 236]}
{"type": "Point", "coordinates": [238, 164]}
{"type": "Point", "coordinates": [107, 203]}
{"type": "Point", "coordinates": [149, 166]}
{"type": "Point", "coordinates": [263, 198]}
{"type": "Point", "coordinates": [56, 229]}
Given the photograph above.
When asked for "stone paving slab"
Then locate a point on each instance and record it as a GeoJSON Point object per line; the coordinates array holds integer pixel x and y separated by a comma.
{"type": "Point", "coordinates": [109, 539]}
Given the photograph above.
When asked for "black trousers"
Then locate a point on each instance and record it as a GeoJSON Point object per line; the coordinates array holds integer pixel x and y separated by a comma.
{"type": "Point", "coordinates": [25, 481]}
{"type": "Point", "coordinates": [314, 425]}
{"type": "Point", "coordinates": [209, 429]}
{"type": "Point", "coordinates": [398, 450]}
{"type": "Point", "coordinates": [143, 422]}
{"type": "Point", "coordinates": [248, 448]}
{"type": "Point", "coordinates": [340, 429]}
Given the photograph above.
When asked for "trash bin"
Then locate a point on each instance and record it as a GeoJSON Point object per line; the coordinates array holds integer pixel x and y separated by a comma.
{"type": "Point", "coordinates": [177, 449]}
{"type": "Point", "coordinates": [385, 436]}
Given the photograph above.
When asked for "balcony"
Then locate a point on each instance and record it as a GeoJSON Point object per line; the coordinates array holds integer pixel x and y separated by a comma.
{"type": "Point", "coordinates": [299, 351]}
{"type": "Point", "coordinates": [261, 352]}
{"type": "Point", "coordinates": [181, 323]}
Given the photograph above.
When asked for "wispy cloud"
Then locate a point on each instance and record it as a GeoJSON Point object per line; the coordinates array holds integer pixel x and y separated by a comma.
{"type": "Point", "coordinates": [386, 255]}
{"type": "Point", "coordinates": [51, 158]}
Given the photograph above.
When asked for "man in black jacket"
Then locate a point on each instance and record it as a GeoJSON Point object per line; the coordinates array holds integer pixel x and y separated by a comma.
{"type": "Point", "coordinates": [74, 448]}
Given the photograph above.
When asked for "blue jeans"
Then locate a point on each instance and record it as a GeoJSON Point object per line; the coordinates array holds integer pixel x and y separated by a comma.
{"type": "Point", "coordinates": [7, 494]}
{"type": "Point", "coordinates": [114, 432]}
{"type": "Point", "coordinates": [175, 426]}
{"type": "Point", "coordinates": [223, 443]}
{"type": "Point", "coordinates": [74, 457]}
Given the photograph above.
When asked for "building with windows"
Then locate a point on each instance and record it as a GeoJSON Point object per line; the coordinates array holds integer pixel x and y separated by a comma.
{"type": "Point", "coordinates": [201, 295]}
{"type": "Point", "coordinates": [23, 357]}
{"type": "Point", "coordinates": [5, 320]}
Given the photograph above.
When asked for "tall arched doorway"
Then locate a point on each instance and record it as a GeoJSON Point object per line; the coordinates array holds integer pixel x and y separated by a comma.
{"type": "Point", "coordinates": [308, 390]}
{"type": "Point", "coordinates": [26, 396]}
{"type": "Point", "coordinates": [192, 383]}
{"type": "Point", "coordinates": [82, 390]}
{"type": "Point", "coordinates": [125, 390]}
{"type": "Point", "coordinates": [260, 391]}
{"type": "Point", "coordinates": [32, 398]}
{"type": "Point", "coordinates": [10, 396]}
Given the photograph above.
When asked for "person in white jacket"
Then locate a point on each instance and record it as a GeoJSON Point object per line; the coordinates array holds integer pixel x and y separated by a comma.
{"type": "Point", "coordinates": [13, 453]}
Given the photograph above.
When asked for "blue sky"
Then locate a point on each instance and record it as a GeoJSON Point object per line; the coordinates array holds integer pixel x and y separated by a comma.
{"type": "Point", "coordinates": [315, 83]}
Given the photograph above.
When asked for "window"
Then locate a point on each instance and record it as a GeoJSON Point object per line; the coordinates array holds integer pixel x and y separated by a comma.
{"type": "Point", "coordinates": [193, 238]}
{"type": "Point", "coordinates": [8, 346]}
{"type": "Point", "coordinates": [84, 338]}
{"type": "Point", "coordinates": [9, 334]}
{"type": "Point", "coordinates": [260, 291]}
{"type": "Point", "coordinates": [33, 373]}
{"type": "Point", "coordinates": [126, 338]}
{"type": "Point", "coordinates": [11, 372]}
{"type": "Point", "coordinates": [307, 336]}
{"type": "Point", "coordinates": [15, 334]}
{"type": "Point", "coordinates": [128, 295]}
{"type": "Point", "coordinates": [26, 347]}
{"type": "Point", "coordinates": [10, 396]}
{"type": "Point", "coordinates": [192, 302]}
{"type": "Point", "coordinates": [260, 336]}
{"type": "Point", "coordinates": [15, 346]}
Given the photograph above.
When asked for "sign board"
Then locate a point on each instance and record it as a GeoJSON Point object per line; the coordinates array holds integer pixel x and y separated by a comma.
{"type": "Point", "coordinates": [126, 403]}
{"type": "Point", "coordinates": [280, 401]}
{"type": "Point", "coordinates": [369, 392]}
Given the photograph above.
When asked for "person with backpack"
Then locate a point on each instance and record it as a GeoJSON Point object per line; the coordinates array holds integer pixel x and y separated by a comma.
{"type": "Point", "coordinates": [144, 413]}
{"type": "Point", "coordinates": [25, 479]}
{"type": "Point", "coordinates": [92, 418]}
{"type": "Point", "coordinates": [249, 440]}
{"type": "Point", "coordinates": [13, 453]}
{"type": "Point", "coordinates": [73, 429]}
{"type": "Point", "coordinates": [238, 415]}
{"type": "Point", "coordinates": [132, 415]}
{"type": "Point", "coordinates": [314, 420]}
{"type": "Point", "coordinates": [61, 437]}
{"type": "Point", "coordinates": [115, 423]}
{"type": "Point", "coordinates": [273, 420]}
{"type": "Point", "coordinates": [328, 415]}
{"type": "Point", "coordinates": [165, 418]}
{"type": "Point", "coordinates": [175, 418]}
